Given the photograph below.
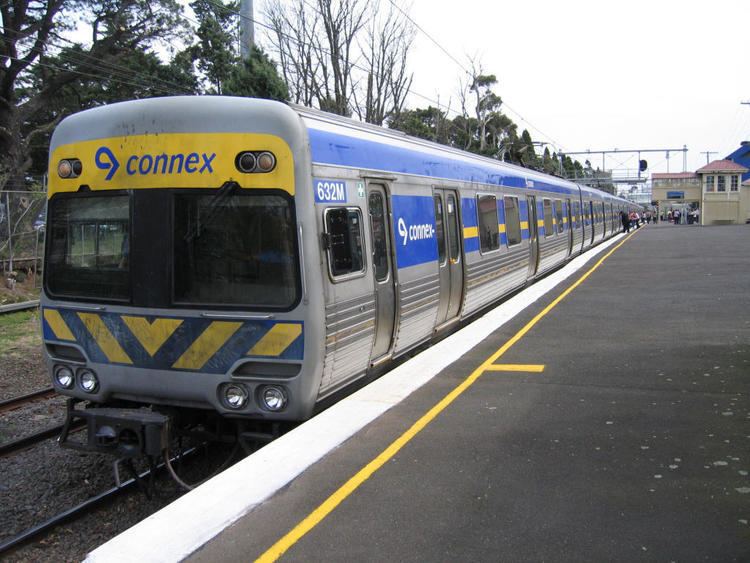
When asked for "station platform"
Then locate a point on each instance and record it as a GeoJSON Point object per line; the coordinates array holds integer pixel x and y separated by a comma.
{"type": "Point", "coordinates": [607, 420]}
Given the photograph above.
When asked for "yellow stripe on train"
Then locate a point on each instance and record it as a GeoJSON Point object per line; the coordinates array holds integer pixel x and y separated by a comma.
{"type": "Point", "coordinates": [276, 340]}
{"type": "Point", "coordinates": [58, 325]}
{"type": "Point", "coordinates": [471, 232]}
{"type": "Point", "coordinates": [171, 160]}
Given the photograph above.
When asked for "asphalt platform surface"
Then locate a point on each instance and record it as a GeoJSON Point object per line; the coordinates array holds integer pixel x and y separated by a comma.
{"type": "Point", "coordinates": [633, 443]}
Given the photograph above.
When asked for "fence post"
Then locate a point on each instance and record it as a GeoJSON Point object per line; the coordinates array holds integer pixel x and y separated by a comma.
{"type": "Point", "coordinates": [10, 232]}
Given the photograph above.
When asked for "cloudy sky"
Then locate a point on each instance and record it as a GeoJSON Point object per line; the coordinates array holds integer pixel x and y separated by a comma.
{"type": "Point", "coordinates": [588, 75]}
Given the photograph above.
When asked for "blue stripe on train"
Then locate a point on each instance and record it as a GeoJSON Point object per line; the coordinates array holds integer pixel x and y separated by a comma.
{"type": "Point", "coordinates": [342, 150]}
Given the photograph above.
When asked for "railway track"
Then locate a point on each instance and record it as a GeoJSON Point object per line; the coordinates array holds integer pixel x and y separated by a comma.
{"type": "Point", "coordinates": [26, 442]}
{"type": "Point", "coordinates": [17, 402]}
{"type": "Point", "coordinates": [13, 307]}
{"type": "Point", "coordinates": [84, 507]}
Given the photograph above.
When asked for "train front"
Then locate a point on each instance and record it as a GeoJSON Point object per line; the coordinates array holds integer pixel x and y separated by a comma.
{"type": "Point", "coordinates": [173, 279]}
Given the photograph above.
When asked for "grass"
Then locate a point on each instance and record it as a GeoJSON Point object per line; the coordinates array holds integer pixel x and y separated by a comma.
{"type": "Point", "coordinates": [19, 330]}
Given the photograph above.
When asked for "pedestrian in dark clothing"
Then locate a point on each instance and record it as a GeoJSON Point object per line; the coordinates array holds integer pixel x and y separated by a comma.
{"type": "Point", "coordinates": [625, 222]}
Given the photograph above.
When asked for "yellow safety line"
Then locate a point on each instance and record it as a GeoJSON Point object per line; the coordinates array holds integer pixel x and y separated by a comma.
{"type": "Point", "coordinates": [328, 506]}
{"type": "Point", "coordinates": [533, 368]}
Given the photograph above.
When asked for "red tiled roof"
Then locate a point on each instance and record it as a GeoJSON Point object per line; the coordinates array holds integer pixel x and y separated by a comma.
{"type": "Point", "coordinates": [722, 166]}
{"type": "Point", "coordinates": [673, 175]}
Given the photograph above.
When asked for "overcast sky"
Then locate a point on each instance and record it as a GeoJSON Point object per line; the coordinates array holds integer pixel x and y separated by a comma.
{"type": "Point", "coordinates": [600, 75]}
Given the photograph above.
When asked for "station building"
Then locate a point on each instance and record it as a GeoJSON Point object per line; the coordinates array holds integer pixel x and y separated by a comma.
{"type": "Point", "coordinates": [719, 192]}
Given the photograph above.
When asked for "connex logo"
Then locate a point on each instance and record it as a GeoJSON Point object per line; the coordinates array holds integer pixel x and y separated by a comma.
{"type": "Point", "coordinates": [111, 164]}
{"type": "Point", "coordinates": [415, 232]}
{"type": "Point", "coordinates": [163, 163]}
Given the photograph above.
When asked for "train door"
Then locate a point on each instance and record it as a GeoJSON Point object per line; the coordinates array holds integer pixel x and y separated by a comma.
{"type": "Point", "coordinates": [590, 211]}
{"type": "Point", "coordinates": [382, 266]}
{"type": "Point", "coordinates": [449, 254]}
{"type": "Point", "coordinates": [533, 236]}
{"type": "Point", "coordinates": [569, 215]}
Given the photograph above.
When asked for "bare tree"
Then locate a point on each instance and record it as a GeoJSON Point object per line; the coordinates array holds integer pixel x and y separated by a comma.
{"type": "Point", "coordinates": [342, 55]}
{"type": "Point", "coordinates": [295, 42]}
{"type": "Point", "coordinates": [385, 51]}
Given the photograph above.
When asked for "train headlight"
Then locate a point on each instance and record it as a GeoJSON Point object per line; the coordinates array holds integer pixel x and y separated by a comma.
{"type": "Point", "coordinates": [246, 162]}
{"type": "Point", "coordinates": [259, 162]}
{"type": "Point", "coordinates": [64, 377]}
{"type": "Point", "coordinates": [235, 396]}
{"type": "Point", "coordinates": [273, 398]}
{"type": "Point", "coordinates": [88, 381]}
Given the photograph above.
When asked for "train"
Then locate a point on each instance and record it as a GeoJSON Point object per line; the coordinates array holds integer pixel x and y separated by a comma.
{"type": "Point", "coordinates": [212, 260]}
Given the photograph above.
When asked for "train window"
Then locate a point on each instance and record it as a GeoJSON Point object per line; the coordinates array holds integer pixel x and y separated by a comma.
{"type": "Point", "coordinates": [559, 215]}
{"type": "Point", "coordinates": [439, 228]}
{"type": "Point", "coordinates": [89, 247]}
{"type": "Point", "coordinates": [576, 215]}
{"type": "Point", "coordinates": [453, 241]}
{"type": "Point", "coordinates": [489, 232]}
{"type": "Point", "coordinates": [238, 249]}
{"type": "Point", "coordinates": [344, 227]}
{"type": "Point", "coordinates": [549, 229]}
{"type": "Point", "coordinates": [379, 236]}
{"type": "Point", "coordinates": [512, 220]}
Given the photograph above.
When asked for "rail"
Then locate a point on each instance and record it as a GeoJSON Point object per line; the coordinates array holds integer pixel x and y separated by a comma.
{"type": "Point", "coordinates": [19, 306]}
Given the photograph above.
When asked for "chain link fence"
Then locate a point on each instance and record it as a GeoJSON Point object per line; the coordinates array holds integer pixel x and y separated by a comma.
{"type": "Point", "coordinates": [22, 228]}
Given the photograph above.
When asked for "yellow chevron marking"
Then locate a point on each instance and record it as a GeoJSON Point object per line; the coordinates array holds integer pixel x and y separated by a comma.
{"type": "Point", "coordinates": [57, 324]}
{"type": "Point", "coordinates": [471, 232]}
{"type": "Point", "coordinates": [151, 335]}
{"type": "Point", "coordinates": [104, 338]}
{"type": "Point", "coordinates": [206, 345]}
{"type": "Point", "coordinates": [533, 368]}
{"type": "Point", "coordinates": [501, 226]}
{"type": "Point", "coordinates": [276, 340]}
{"type": "Point", "coordinates": [540, 223]}
{"type": "Point", "coordinates": [525, 225]}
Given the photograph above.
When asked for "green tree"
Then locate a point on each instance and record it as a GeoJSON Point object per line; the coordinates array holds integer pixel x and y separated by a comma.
{"type": "Point", "coordinates": [256, 77]}
{"type": "Point", "coordinates": [430, 123]}
{"type": "Point", "coordinates": [37, 63]}
{"type": "Point", "coordinates": [214, 53]}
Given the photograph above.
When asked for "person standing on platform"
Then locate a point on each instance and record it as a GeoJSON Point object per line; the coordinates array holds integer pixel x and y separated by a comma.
{"type": "Point", "coordinates": [625, 222]}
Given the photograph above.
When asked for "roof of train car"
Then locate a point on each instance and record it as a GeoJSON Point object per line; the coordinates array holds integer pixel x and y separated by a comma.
{"type": "Point", "coordinates": [334, 139]}
{"type": "Point", "coordinates": [333, 142]}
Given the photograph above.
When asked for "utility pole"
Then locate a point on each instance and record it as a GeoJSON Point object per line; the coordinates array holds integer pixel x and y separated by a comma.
{"type": "Point", "coordinates": [684, 158]}
{"type": "Point", "coordinates": [708, 154]}
{"type": "Point", "coordinates": [247, 28]}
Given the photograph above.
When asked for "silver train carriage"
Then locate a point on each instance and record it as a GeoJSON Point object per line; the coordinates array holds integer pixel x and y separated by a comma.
{"type": "Point", "coordinates": [249, 258]}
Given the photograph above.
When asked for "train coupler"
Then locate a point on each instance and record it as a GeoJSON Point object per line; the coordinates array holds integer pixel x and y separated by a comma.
{"type": "Point", "coordinates": [126, 433]}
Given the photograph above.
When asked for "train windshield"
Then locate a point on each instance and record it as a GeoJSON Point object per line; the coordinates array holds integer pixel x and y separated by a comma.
{"type": "Point", "coordinates": [234, 250]}
{"type": "Point", "coordinates": [88, 248]}
{"type": "Point", "coordinates": [162, 248]}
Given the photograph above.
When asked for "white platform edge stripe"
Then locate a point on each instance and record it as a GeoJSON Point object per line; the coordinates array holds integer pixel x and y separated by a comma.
{"type": "Point", "coordinates": [184, 526]}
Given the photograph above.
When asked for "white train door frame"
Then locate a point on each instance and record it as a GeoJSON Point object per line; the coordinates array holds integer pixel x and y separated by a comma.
{"type": "Point", "coordinates": [382, 268]}
{"type": "Point", "coordinates": [450, 260]}
{"type": "Point", "coordinates": [533, 236]}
